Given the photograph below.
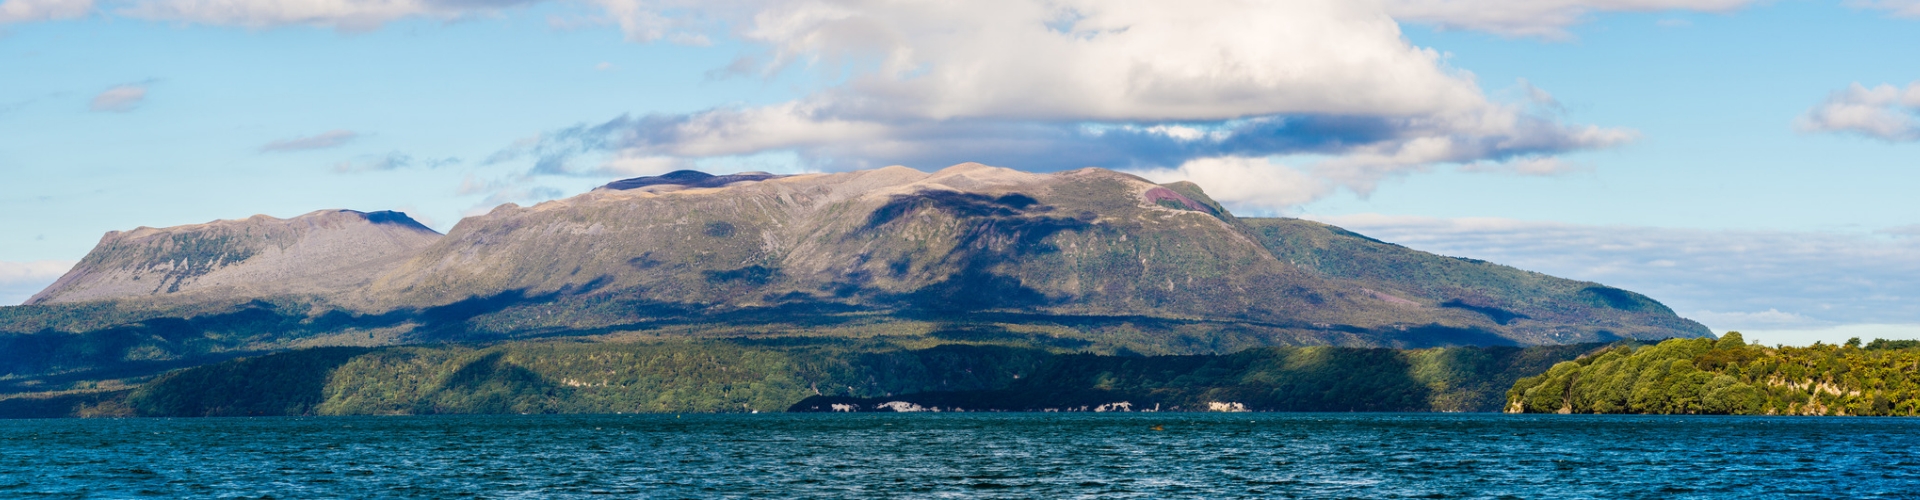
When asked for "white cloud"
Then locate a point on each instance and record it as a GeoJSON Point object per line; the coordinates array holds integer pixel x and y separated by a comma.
{"type": "Point", "coordinates": [1884, 112]}
{"type": "Point", "coordinates": [20, 280]}
{"type": "Point", "coordinates": [120, 99]}
{"type": "Point", "coordinates": [1247, 182]}
{"type": "Point", "coordinates": [328, 139]}
{"type": "Point", "coordinates": [1112, 60]}
{"type": "Point", "coordinates": [1907, 231]}
{"type": "Point", "coordinates": [1737, 280]}
{"type": "Point", "coordinates": [344, 15]}
{"type": "Point", "coordinates": [16, 11]}
{"type": "Point", "coordinates": [1147, 86]}
{"type": "Point", "coordinates": [1057, 84]}
{"type": "Point", "coordinates": [688, 21]}
{"type": "Point", "coordinates": [1536, 18]}
{"type": "Point", "coordinates": [1896, 8]}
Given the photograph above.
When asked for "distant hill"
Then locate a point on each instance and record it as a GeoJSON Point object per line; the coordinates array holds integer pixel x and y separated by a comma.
{"type": "Point", "coordinates": [329, 253]}
{"type": "Point", "coordinates": [741, 375]}
{"type": "Point", "coordinates": [1086, 260]}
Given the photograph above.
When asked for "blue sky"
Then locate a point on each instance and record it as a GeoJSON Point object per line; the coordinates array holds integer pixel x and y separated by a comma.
{"type": "Point", "coordinates": [1715, 154]}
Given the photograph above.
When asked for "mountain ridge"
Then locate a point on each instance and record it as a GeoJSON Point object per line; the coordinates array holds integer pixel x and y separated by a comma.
{"type": "Point", "coordinates": [1086, 260]}
{"type": "Point", "coordinates": [338, 248]}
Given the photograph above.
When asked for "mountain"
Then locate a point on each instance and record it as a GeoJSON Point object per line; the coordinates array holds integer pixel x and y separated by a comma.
{"type": "Point", "coordinates": [326, 253]}
{"type": "Point", "coordinates": [1085, 260]}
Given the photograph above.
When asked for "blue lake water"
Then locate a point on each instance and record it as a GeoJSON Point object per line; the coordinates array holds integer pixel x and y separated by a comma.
{"type": "Point", "coordinates": [970, 455]}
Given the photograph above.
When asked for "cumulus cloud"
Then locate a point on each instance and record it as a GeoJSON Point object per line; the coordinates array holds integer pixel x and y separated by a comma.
{"type": "Point", "coordinates": [120, 99]}
{"type": "Point", "coordinates": [20, 280]}
{"type": "Point", "coordinates": [1144, 86]}
{"type": "Point", "coordinates": [1739, 280]}
{"type": "Point", "coordinates": [1884, 112]}
{"type": "Point", "coordinates": [1536, 18]}
{"type": "Point", "coordinates": [1258, 183]}
{"type": "Point", "coordinates": [328, 139]}
{"type": "Point", "coordinates": [1056, 84]}
{"type": "Point", "coordinates": [16, 11]}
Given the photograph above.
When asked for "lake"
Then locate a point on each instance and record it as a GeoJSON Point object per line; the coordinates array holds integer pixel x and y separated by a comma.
{"type": "Point", "coordinates": [975, 455]}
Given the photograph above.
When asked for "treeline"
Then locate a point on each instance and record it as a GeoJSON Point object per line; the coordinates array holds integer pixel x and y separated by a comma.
{"type": "Point", "coordinates": [1730, 377]}
{"type": "Point", "coordinates": [1306, 379]}
{"type": "Point", "coordinates": [547, 377]}
{"type": "Point", "coordinates": [742, 375]}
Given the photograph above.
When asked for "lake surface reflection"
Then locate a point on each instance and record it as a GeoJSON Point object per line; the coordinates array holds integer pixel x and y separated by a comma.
{"type": "Point", "coordinates": [972, 455]}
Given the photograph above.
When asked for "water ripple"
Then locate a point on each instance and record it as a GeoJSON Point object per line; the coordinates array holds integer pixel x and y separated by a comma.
{"type": "Point", "coordinates": [965, 455]}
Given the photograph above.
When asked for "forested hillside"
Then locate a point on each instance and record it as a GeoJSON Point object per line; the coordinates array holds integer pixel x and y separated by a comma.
{"type": "Point", "coordinates": [747, 375]}
{"type": "Point", "coordinates": [1729, 376]}
{"type": "Point", "coordinates": [1451, 379]}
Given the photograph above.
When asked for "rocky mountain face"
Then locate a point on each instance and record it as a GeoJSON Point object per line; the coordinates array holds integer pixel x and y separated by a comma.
{"type": "Point", "coordinates": [325, 253]}
{"type": "Point", "coordinates": [1085, 260]}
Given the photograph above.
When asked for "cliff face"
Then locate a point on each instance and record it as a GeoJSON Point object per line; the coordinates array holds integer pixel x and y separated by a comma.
{"type": "Point", "coordinates": [1102, 257]}
{"type": "Point", "coordinates": [324, 253]}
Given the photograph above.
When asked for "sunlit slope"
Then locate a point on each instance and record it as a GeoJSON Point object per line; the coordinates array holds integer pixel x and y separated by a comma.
{"type": "Point", "coordinates": [324, 253]}
{"type": "Point", "coordinates": [969, 238]}
{"type": "Point", "coordinates": [1529, 305]}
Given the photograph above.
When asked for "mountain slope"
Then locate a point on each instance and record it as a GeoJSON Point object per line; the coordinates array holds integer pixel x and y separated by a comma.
{"type": "Point", "coordinates": [326, 253]}
{"type": "Point", "coordinates": [1086, 260]}
{"type": "Point", "coordinates": [1559, 309]}
{"type": "Point", "coordinates": [965, 239]}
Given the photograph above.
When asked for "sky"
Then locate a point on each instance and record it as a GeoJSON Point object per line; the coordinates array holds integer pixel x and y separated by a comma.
{"type": "Point", "coordinates": [1749, 163]}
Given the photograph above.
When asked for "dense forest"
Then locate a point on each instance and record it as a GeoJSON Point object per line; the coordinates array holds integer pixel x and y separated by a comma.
{"type": "Point", "coordinates": [1729, 376]}
{"type": "Point", "coordinates": [773, 375]}
{"type": "Point", "coordinates": [1261, 379]}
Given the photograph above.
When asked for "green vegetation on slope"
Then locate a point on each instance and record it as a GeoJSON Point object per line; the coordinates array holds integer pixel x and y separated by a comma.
{"type": "Point", "coordinates": [1728, 376]}
{"type": "Point", "coordinates": [1261, 379]}
{"type": "Point", "coordinates": [774, 375]}
{"type": "Point", "coordinates": [1552, 310]}
{"type": "Point", "coordinates": [551, 377]}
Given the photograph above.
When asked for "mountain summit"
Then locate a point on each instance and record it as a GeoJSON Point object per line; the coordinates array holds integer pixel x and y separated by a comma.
{"type": "Point", "coordinates": [324, 253]}
{"type": "Point", "coordinates": [1088, 259]}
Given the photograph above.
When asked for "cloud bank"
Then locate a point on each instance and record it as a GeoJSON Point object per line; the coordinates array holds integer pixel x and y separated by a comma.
{"type": "Point", "coordinates": [1738, 280]}
{"type": "Point", "coordinates": [1196, 90]}
{"type": "Point", "coordinates": [20, 280]}
{"type": "Point", "coordinates": [1884, 112]}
